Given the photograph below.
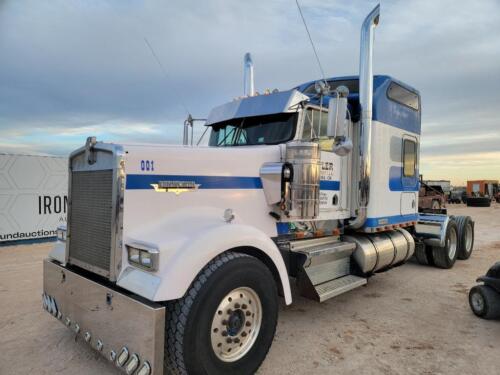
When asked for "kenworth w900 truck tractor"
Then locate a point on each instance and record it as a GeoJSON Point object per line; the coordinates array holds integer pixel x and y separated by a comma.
{"type": "Point", "coordinates": [175, 257]}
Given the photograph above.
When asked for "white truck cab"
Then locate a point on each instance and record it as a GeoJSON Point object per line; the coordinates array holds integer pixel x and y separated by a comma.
{"type": "Point", "coordinates": [174, 257]}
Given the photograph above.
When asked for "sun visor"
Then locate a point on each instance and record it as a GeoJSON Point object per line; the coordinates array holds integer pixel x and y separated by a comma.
{"type": "Point", "coordinates": [261, 105]}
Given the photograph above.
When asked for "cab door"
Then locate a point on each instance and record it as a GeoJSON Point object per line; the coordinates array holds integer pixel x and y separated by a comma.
{"type": "Point", "coordinates": [333, 167]}
{"type": "Point", "coordinates": [409, 176]}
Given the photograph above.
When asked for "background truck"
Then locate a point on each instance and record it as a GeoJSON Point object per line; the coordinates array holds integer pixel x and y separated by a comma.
{"type": "Point", "coordinates": [174, 257]}
{"type": "Point", "coordinates": [458, 195]}
{"type": "Point", "coordinates": [431, 198]}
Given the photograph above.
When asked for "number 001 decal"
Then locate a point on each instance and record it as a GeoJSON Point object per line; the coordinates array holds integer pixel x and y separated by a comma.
{"type": "Point", "coordinates": [147, 165]}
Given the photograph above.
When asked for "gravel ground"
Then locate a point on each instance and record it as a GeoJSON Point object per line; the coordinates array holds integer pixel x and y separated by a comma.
{"type": "Point", "coordinates": [411, 320]}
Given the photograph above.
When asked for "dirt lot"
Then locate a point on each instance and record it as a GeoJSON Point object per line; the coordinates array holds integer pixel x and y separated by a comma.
{"type": "Point", "coordinates": [411, 320]}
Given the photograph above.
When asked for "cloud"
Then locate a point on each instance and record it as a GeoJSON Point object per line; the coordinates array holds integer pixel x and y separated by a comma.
{"type": "Point", "coordinates": [84, 66]}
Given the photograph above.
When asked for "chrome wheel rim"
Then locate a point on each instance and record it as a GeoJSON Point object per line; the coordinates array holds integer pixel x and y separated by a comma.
{"type": "Point", "coordinates": [468, 238]}
{"type": "Point", "coordinates": [477, 302]}
{"type": "Point", "coordinates": [236, 324]}
{"type": "Point", "coordinates": [452, 243]}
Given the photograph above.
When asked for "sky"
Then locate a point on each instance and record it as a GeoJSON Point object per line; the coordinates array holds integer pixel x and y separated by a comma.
{"type": "Point", "coordinates": [70, 69]}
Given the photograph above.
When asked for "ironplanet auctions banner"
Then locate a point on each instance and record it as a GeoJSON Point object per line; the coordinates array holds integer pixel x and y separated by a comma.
{"type": "Point", "coordinates": [33, 196]}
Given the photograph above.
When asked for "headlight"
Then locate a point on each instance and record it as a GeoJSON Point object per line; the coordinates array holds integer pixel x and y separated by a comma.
{"type": "Point", "coordinates": [61, 233]}
{"type": "Point", "coordinates": [147, 258]}
{"type": "Point", "coordinates": [134, 255]}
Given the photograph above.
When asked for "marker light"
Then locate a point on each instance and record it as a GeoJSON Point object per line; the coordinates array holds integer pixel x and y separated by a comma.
{"type": "Point", "coordinates": [61, 233]}
{"type": "Point", "coordinates": [147, 258]}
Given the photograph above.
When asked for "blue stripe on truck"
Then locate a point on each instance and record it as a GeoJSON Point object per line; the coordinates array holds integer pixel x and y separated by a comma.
{"type": "Point", "coordinates": [144, 181]}
{"type": "Point", "coordinates": [373, 222]}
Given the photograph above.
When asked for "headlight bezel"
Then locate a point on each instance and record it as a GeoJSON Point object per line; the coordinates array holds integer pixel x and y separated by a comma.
{"type": "Point", "coordinates": [144, 257]}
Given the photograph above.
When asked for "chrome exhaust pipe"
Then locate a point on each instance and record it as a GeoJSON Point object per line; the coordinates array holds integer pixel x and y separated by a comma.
{"type": "Point", "coordinates": [248, 83]}
{"type": "Point", "coordinates": [366, 104]}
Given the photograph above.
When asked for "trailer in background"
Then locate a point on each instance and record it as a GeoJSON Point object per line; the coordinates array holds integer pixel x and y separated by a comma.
{"type": "Point", "coordinates": [33, 196]}
{"type": "Point", "coordinates": [480, 193]}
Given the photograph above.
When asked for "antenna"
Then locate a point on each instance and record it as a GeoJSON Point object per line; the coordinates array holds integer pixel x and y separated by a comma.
{"type": "Point", "coordinates": [162, 68]}
{"type": "Point", "coordinates": [189, 122]}
{"type": "Point", "coordinates": [312, 43]}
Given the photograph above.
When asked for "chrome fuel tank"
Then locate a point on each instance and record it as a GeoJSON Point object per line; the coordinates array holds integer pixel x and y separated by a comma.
{"type": "Point", "coordinates": [375, 252]}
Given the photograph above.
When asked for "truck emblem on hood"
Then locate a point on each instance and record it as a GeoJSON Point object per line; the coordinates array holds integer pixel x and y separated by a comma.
{"type": "Point", "coordinates": [176, 187]}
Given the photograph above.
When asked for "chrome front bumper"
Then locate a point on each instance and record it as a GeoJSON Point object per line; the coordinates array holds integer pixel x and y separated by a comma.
{"type": "Point", "coordinates": [124, 329]}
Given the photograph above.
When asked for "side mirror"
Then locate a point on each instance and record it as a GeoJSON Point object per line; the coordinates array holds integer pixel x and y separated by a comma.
{"type": "Point", "coordinates": [337, 118]}
{"type": "Point", "coordinates": [337, 112]}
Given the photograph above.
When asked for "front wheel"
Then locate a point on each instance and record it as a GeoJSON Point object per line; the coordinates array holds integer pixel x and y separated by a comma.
{"type": "Point", "coordinates": [226, 322]}
{"type": "Point", "coordinates": [485, 302]}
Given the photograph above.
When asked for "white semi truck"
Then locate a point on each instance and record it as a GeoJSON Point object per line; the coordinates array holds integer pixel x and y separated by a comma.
{"type": "Point", "coordinates": [175, 257]}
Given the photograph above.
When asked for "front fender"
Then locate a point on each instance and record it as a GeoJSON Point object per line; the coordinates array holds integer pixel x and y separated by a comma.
{"type": "Point", "coordinates": [187, 241]}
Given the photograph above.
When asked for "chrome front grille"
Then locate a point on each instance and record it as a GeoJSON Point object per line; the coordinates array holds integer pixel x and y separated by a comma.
{"type": "Point", "coordinates": [91, 220]}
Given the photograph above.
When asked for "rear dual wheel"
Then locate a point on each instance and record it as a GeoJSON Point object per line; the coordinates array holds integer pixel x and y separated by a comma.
{"type": "Point", "coordinates": [445, 257]}
{"type": "Point", "coordinates": [226, 322]}
{"type": "Point", "coordinates": [459, 243]}
{"type": "Point", "coordinates": [465, 227]}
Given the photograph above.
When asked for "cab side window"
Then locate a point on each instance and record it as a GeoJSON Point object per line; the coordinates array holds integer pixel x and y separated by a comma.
{"type": "Point", "coordinates": [315, 123]}
{"type": "Point", "coordinates": [409, 158]}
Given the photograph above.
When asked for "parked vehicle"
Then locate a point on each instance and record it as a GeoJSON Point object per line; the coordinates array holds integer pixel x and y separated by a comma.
{"type": "Point", "coordinates": [484, 299]}
{"type": "Point", "coordinates": [431, 199]}
{"type": "Point", "coordinates": [458, 195]}
{"type": "Point", "coordinates": [175, 257]}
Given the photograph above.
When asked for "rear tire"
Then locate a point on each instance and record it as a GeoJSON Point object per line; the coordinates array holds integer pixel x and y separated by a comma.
{"type": "Point", "coordinates": [485, 302]}
{"type": "Point", "coordinates": [212, 330]}
{"type": "Point", "coordinates": [478, 202]}
{"type": "Point", "coordinates": [465, 227]}
{"type": "Point", "coordinates": [445, 257]}
{"type": "Point", "coordinates": [423, 254]}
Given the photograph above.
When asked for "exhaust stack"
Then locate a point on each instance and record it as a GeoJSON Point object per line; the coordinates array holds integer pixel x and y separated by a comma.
{"type": "Point", "coordinates": [248, 83]}
{"type": "Point", "coordinates": [366, 104]}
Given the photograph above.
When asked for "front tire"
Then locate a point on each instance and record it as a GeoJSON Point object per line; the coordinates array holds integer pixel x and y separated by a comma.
{"type": "Point", "coordinates": [225, 323]}
{"type": "Point", "coordinates": [485, 302]}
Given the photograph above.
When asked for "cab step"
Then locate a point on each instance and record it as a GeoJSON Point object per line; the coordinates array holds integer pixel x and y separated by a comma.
{"type": "Point", "coordinates": [338, 286]}
{"type": "Point", "coordinates": [326, 267]}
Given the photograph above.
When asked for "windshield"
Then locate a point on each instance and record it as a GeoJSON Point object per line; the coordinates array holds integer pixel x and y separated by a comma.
{"type": "Point", "coordinates": [262, 130]}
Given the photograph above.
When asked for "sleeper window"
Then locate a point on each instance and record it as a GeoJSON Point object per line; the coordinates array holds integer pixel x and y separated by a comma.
{"type": "Point", "coordinates": [409, 158]}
